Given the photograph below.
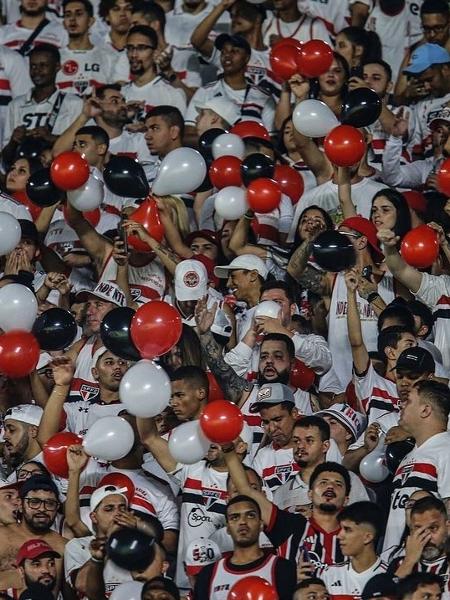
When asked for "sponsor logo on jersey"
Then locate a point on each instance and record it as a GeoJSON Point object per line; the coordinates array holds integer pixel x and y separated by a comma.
{"type": "Point", "coordinates": [70, 67]}
{"type": "Point", "coordinates": [197, 517]}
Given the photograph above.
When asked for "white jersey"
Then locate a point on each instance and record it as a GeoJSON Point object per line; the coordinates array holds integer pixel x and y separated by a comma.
{"type": "Point", "coordinates": [376, 394]}
{"type": "Point", "coordinates": [304, 29]}
{"type": "Point", "coordinates": [146, 283]}
{"type": "Point", "coordinates": [326, 196]}
{"type": "Point", "coordinates": [425, 468]}
{"type": "Point", "coordinates": [422, 114]}
{"type": "Point", "coordinates": [334, 13]}
{"type": "Point", "coordinates": [132, 145]}
{"type": "Point", "coordinates": [13, 207]}
{"type": "Point", "coordinates": [344, 583]}
{"type": "Point", "coordinates": [156, 92]}
{"type": "Point", "coordinates": [337, 323]}
{"type": "Point", "coordinates": [84, 70]}
{"type": "Point", "coordinates": [255, 105]}
{"type": "Point", "coordinates": [204, 498]}
{"type": "Point", "coordinates": [57, 113]}
{"type": "Point", "coordinates": [76, 554]}
{"type": "Point", "coordinates": [11, 10]}
{"type": "Point", "coordinates": [225, 542]}
{"type": "Point", "coordinates": [276, 466]}
{"type": "Point", "coordinates": [83, 386]}
{"type": "Point", "coordinates": [380, 139]}
{"type": "Point", "coordinates": [14, 35]}
{"type": "Point", "coordinates": [258, 67]}
{"type": "Point", "coordinates": [82, 414]}
{"type": "Point", "coordinates": [14, 80]}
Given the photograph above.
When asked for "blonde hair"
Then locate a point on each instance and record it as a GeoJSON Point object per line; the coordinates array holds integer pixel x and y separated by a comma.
{"type": "Point", "coordinates": [179, 214]}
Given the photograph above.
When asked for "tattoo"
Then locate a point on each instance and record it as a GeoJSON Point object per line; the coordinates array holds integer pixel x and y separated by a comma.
{"type": "Point", "coordinates": [299, 260]}
{"type": "Point", "coordinates": [312, 280]}
{"type": "Point", "coordinates": [232, 385]}
{"type": "Point", "coordinates": [170, 254]}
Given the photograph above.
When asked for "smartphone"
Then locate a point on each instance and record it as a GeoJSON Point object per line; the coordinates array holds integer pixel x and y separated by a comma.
{"type": "Point", "coordinates": [367, 273]}
{"type": "Point", "coordinates": [357, 72]}
{"type": "Point", "coordinates": [123, 234]}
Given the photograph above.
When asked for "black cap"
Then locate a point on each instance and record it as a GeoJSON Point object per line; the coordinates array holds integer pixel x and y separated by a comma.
{"type": "Point", "coordinates": [163, 584]}
{"type": "Point", "coordinates": [380, 585]}
{"type": "Point", "coordinates": [29, 230]}
{"type": "Point", "coordinates": [38, 482]}
{"type": "Point", "coordinates": [237, 41]}
{"type": "Point", "coordinates": [416, 360]}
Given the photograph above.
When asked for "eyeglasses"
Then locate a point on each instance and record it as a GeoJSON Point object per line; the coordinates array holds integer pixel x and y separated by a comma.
{"type": "Point", "coordinates": [25, 473]}
{"type": "Point", "coordinates": [38, 502]}
{"type": "Point", "coordinates": [138, 48]}
{"type": "Point", "coordinates": [435, 29]}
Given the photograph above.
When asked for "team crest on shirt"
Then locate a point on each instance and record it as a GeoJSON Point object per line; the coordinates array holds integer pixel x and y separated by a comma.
{"type": "Point", "coordinates": [81, 86]}
{"type": "Point", "coordinates": [210, 497]}
{"type": "Point", "coordinates": [88, 392]}
{"type": "Point", "coordinates": [283, 473]}
{"type": "Point", "coordinates": [70, 67]}
{"type": "Point", "coordinates": [406, 470]}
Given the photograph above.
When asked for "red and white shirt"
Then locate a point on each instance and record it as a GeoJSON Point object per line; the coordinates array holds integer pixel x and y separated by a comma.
{"type": "Point", "coordinates": [14, 35]}
{"type": "Point", "coordinates": [304, 29]}
{"type": "Point", "coordinates": [84, 70]}
{"type": "Point", "coordinates": [156, 92]}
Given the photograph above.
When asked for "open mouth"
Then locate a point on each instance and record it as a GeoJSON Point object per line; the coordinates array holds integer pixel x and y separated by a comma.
{"type": "Point", "coordinates": [329, 494]}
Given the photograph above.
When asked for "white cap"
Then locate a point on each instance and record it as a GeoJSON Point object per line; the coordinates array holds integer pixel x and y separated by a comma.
{"type": "Point", "coordinates": [248, 262]}
{"type": "Point", "coordinates": [224, 107]}
{"type": "Point", "coordinates": [351, 419]}
{"type": "Point", "coordinates": [25, 413]}
{"type": "Point", "coordinates": [191, 280]}
{"type": "Point", "coordinates": [105, 290]}
{"type": "Point", "coordinates": [199, 553]}
{"type": "Point", "coordinates": [98, 353]}
{"type": "Point", "coordinates": [4, 483]}
{"type": "Point", "coordinates": [267, 308]}
{"type": "Point", "coordinates": [103, 492]}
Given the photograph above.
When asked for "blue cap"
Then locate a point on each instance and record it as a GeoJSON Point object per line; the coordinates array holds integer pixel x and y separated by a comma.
{"type": "Point", "coordinates": [426, 56]}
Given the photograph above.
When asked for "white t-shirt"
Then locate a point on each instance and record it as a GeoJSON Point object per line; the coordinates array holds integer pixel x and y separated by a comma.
{"type": "Point", "coordinates": [156, 92]}
{"type": "Point", "coordinates": [14, 35]}
{"type": "Point", "coordinates": [132, 145]}
{"type": "Point", "coordinates": [14, 80]}
{"type": "Point", "coordinates": [335, 13]}
{"type": "Point", "coordinates": [258, 67]}
{"type": "Point", "coordinates": [13, 207]}
{"type": "Point", "coordinates": [305, 29]}
{"type": "Point", "coordinates": [83, 70]}
{"type": "Point", "coordinates": [342, 581]}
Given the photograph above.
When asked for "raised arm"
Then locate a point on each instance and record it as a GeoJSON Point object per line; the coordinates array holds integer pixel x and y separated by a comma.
{"type": "Point", "coordinates": [359, 350]}
{"type": "Point", "coordinates": [345, 192]}
{"type": "Point", "coordinates": [63, 369]}
{"type": "Point", "coordinates": [168, 258]}
{"type": "Point", "coordinates": [158, 446]}
{"type": "Point", "coordinates": [200, 36]}
{"type": "Point", "coordinates": [404, 273]}
{"type": "Point", "coordinates": [77, 459]}
{"type": "Point", "coordinates": [96, 244]}
{"type": "Point", "coordinates": [359, 12]}
{"type": "Point", "coordinates": [65, 141]}
{"type": "Point", "coordinates": [239, 239]}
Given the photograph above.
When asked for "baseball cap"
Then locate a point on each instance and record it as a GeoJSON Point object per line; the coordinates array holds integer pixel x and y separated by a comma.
{"type": "Point", "coordinates": [199, 553]}
{"type": "Point", "coordinates": [425, 56]}
{"type": "Point", "coordinates": [352, 420]}
{"type": "Point", "coordinates": [272, 394]}
{"type": "Point", "coordinates": [442, 115]}
{"type": "Point", "coordinates": [4, 483]}
{"type": "Point", "coordinates": [380, 585]}
{"type": "Point", "coordinates": [38, 482]}
{"type": "Point", "coordinates": [191, 280]}
{"type": "Point", "coordinates": [366, 228]}
{"type": "Point", "coordinates": [416, 360]}
{"type": "Point", "coordinates": [251, 129]}
{"type": "Point", "coordinates": [415, 200]}
{"type": "Point", "coordinates": [206, 234]}
{"type": "Point", "coordinates": [25, 413]}
{"type": "Point", "coordinates": [33, 549]}
{"type": "Point", "coordinates": [163, 584]}
{"type": "Point", "coordinates": [228, 110]}
{"type": "Point", "coordinates": [28, 230]}
{"type": "Point", "coordinates": [247, 262]}
{"type": "Point", "coordinates": [105, 290]}
{"type": "Point", "coordinates": [237, 41]}
{"type": "Point", "coordinates": [103, 492]}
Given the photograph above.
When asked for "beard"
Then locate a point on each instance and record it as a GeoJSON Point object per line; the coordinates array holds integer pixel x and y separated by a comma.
{"type": "Point", "coordinates": [38, 588]}
{"type": "Point", "coordinates": [283, 377]}
{"type": "Point", "coordinates": [38, 526]}
{"type": "Point", "coordinates": [14, 456]}
{"type": "Point", "coordinates": [32, 13]}
{"type": "Point", "coordinates": [432, 552]}
{"type": "Point", "coordinates": [328, 508]}
{"type": "Point", "coordinates": [302, 463]}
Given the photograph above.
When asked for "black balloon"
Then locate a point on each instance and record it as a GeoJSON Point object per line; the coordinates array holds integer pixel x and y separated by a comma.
{"type": "Point", "coordinates": [125, 177]}
{"type": "Point", "coordinates": [392, 7]}
{"type": "Point", "coordinates": [333, 251]}
{"type": "Point", "coordinates": [30, 148]}
{"type": "Point", "coordinates": [206, 140]}
{"type": "Point", "coordinates": [55, 329]}
{"type": "Point", "coordinates": [41, 190]}
{"type": "Point", "coordinates": [256, 166]}
{"type": "Point", "coordinates": [130, 549]}
{"type": "Point", "coordinates": [361, 108]}
{"type": "Point", "coordinates": [115, 333]}
{"type": "Point", "coordinates": [396, 452]}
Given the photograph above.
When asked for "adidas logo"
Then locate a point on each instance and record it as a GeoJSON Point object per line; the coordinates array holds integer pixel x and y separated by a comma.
{"type": "Point", "coordinates": [336, 583]}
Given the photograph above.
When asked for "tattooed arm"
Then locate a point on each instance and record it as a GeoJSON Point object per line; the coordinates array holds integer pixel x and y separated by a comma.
{"type": "Point", "coordinates": [299, 260]}
{"type": "Point", "coordinates": [167, 256]}
{"type": "Point", "coordinates": [307, 276]}
{"type": "Point", "coordinates": [232, 385]}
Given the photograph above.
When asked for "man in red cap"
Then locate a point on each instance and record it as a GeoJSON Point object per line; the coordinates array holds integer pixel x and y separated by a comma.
{"type": "Point", "coordinates": [36, 564]}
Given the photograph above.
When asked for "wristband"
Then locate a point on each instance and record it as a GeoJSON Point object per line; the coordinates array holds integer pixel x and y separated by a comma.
{"type": "Point", "coordinates": [97, 560]}
{"type": "Point", "coordinates": [372, 296]}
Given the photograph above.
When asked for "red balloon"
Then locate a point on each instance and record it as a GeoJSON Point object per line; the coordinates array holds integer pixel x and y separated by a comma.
{"type": "Point", "coordinates": [121, 481]}
{"type": "Point", "coordinates": [263, 195]}
{"type": "Point", "coordinates": [443, 177]}
{"type": "Point", "coordinates": [55, 452]}
{"type": "Point", "coordinates": [155, 328]}
{"type": "Point", "coordinates": [314, 59]}
{"type": "Point", "coordinates": [148, 215]}
{"type": "Point", "coordinates": [283, 61]}
{"type": "Point", "coordinates": [344, 146]}
{"type": "Point", "coordinates": [301, 376]}
{"type": "Point", "coordinates": [289, 41]}
{"type": "Point", "coordinates": [252, 588]}
{"type": "Point", "coordinates": [215, 391]}
{"type": "Point", "coordinates": [69, 171]}
{"type": "Point", "coordinates": [93, 216]}
{"type": "Point", "coordinates": [245, 129]}
{"type": "Point", "coordinates": [22, 197]}
{"type": "Point", "coordinates": [221, 421]}
{"type": "Point", "coordinates": [225, 171]}
{"type": "Point", "coordinates": [420, 247]}
{"type": "Point", "coordinates": [290, 182]}
{"type": "Point", "coordinates": [19, 353]}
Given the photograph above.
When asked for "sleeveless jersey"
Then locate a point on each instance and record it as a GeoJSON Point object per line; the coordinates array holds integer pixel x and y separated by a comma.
{"type": "Point", "coordinates": [83, 386]}
{"type": "Point", "coordinates": [224, 576]}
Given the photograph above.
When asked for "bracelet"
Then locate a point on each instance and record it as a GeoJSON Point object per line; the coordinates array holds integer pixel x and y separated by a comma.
{"type": "Point", "coordinates": [227, 449]}
{"type": "Point", "coordinates": [97, 560]}
{"type": "Point", "coordinates": [248, 217]}
{"type": "Point", "coordinates": [372, 296]}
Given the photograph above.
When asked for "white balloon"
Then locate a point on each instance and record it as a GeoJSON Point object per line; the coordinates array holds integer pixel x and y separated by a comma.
{"type": "Point", "coordinates": [145, 389]}
{"type": "Point", "coordinates": [10, 233]}
{"type": "Point", "coordinates": [314, 118]}
{"type": "Point", "coordinates": [130, 590]}
{"type": "Point", "coordinates": [188, 444]}
{"type": "Point", "coordinates": [181, 172]}
{"type": "Point", "coordinates": [109, 438]}
{"type": "Point", "coordinates": [373, 466]}
{"type": "Point", "coordinates": [89, 196]}
{"type": "Point", "coordinates": [228, 144]}
{"type": "Point", "coordinates": [231, 203]}
{"type": "Point", "coordinates": [268, 308]}
{"type": "Point", "coordinates": [18, 307]}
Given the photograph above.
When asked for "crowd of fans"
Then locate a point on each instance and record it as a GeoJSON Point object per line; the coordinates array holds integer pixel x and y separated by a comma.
{"type": "Point", "coordinates": [338, 485]}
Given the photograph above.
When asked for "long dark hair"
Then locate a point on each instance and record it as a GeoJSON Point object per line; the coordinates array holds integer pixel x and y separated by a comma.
{"type": "Point", "coordinates": [403, 221]}
{"type": "Point", "coordinates": [369, 41]}
{"type": "Point", "coordinates": [435, 210]}
{"type": "Point", "coordinates": [329, 224]}
{"type": "Point", "coordinates": [315, 86]}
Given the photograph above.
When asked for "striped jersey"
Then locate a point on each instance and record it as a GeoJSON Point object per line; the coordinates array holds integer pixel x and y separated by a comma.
{"type": "Point", "coordinates": [376, 394]}
{"type": "Point", "coordinates": [440, 566]}
{"type": "Point", "coordinates": [84, 70]}
{"type": "Point", "coordinates": [14, 35]}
